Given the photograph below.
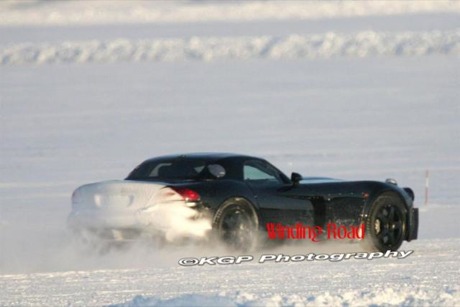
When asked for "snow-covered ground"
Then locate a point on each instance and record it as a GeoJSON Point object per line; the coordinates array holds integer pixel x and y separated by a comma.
{"type": "Point", "coordinates": [342, 89]}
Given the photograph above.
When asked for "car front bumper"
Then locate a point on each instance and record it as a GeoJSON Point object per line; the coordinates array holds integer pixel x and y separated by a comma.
{"type": "Point", "coordinates": [413, 223]}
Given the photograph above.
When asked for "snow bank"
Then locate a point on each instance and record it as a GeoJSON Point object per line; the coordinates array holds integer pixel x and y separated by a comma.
{"type": "Point", "coordinates": [42, 13]}
{"type": "Point", "coordinates": [403, 296]}
{"type": "Point", "coordinates": [182, 301]}
{"type": "Point", "coordinates": [361, 44]}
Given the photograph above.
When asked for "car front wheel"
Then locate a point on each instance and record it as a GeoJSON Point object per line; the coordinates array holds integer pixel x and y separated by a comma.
{"type": "Point", "coordinates": [385, 224]}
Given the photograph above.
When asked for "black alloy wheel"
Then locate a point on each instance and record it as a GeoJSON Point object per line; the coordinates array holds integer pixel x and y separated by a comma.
{"type": "Point", "coordinates": [385, 225]}
{"type": "Point", "coordinates": [237, 225]}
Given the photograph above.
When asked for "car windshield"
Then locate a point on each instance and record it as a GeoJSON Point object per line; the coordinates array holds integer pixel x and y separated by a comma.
{"type": "Point", "coordinates": [173, 169]}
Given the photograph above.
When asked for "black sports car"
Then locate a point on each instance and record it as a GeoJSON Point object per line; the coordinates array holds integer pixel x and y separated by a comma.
{"type": "Point", "coordinates": [240, 195]}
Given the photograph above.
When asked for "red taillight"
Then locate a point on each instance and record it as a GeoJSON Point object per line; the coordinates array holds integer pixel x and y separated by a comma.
{"type": "Point", "coordinates": [187, 194]}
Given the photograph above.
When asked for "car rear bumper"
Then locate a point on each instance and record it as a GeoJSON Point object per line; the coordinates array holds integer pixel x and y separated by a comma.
{"type": "Point", "coordinates": [80, 219]}
{"type": "Point", "coordinates": [120, 225]}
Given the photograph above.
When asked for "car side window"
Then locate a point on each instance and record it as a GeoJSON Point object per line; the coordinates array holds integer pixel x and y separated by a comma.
{"type": "Point", "coordinates": [258, 172]}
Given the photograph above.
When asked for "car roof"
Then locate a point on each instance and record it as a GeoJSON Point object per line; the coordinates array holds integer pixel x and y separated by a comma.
{"type": "Point", "coordinates": [212, 156]}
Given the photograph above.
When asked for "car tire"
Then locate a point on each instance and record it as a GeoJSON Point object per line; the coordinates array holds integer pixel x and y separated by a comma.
{"type": "Point", "coordinates": [236, 225]}
{"type": "Point", "coordinates": [385, 226]}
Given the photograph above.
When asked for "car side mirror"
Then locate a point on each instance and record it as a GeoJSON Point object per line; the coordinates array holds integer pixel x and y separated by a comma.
{"type": "Point", "coordinates": [295, 178]}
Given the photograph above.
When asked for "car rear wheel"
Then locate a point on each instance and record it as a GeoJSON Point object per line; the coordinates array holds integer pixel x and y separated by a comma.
{"type": "Point", "coordinates": [236, 224]}
{"type": "Point", "coordinates": [385, 224]}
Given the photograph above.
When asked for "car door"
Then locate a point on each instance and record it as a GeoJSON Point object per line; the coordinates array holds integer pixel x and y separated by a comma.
{"type": "Point", "coordinates": [274, 195]}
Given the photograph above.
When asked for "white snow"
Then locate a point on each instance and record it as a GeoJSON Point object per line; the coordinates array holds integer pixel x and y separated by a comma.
{"type": "Point", "coordinates": [428, 277]}
{"type": "Point", "coordinates": [353, 90]}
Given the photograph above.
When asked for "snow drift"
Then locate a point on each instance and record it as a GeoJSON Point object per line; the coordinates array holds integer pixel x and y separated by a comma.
{"type": "Point", "coordinates": [391, 297]}
{"type": "Point", "coordinates": [326, 45]}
